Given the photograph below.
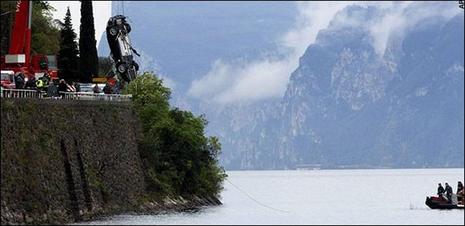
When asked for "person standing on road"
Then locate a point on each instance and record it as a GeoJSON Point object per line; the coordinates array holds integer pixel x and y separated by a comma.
{"type": "Point", "coordinates": [52, 90]}
{"type": "Point", "coordinates": [96, 89]}
{"type": "Point", "coordinates": [19, 80]}
{"type": "Point", "coordinates": [62, 87]}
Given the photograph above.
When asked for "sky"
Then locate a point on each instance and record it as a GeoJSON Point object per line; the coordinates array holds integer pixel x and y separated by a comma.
{"type": "Point", "coordinates": [232, 82]}
{"type": "Point", "coordinates": [102, 11]}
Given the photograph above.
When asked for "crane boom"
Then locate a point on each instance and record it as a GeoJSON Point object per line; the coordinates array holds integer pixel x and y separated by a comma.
{"type": "Point", "coordinates": [20, 40]}
{"type": "Point", "coordinates": [19, 58]}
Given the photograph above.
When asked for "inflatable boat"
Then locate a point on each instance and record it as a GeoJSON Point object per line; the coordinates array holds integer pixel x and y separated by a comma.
{"type": "Point", "coordinates": [436, 202]}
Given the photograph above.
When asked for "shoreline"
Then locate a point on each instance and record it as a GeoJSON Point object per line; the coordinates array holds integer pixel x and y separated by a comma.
{"type": "Point", "coordinates": [167, 205]}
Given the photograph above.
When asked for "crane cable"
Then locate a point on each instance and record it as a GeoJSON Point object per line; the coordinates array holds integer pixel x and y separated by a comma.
{"type": "Point", "coordinates": [256, 201]}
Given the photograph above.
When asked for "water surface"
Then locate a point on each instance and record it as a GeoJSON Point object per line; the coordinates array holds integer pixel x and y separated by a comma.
{"type": "Point", "coordinates": [320, 197]}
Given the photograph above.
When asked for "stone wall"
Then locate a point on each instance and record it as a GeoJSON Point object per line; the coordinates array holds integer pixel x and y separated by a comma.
{"type": "Point", "coordinates": [64, 161]}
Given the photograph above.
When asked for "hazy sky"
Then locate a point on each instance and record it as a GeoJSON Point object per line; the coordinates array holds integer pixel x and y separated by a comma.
{"type": "Point", "coordinates": [102, 11]}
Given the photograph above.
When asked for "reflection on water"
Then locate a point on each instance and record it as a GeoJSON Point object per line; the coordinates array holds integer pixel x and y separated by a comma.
{"type": "Point", "coordinates": [320, 197]}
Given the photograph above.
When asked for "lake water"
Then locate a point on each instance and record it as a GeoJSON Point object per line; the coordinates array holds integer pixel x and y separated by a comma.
{"type": "Point", "coordinates": [320, 197]}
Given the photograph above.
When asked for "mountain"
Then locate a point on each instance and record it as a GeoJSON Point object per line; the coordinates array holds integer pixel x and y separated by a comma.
{"type": "Point", "coordinates": [362, 95]}
{"type": "Point", "coordinates": [346, 105]}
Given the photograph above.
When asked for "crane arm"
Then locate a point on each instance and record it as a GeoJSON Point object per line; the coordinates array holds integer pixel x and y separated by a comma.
{"type": "Point", "coordinates": [20, 40]}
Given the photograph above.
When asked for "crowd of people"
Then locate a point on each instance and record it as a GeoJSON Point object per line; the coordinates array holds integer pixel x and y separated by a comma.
{"type": "Point", "coordinates": [447, 192]}
{"type": "Point", "coordinates": [111, 87]}
{"type": "Point", "coordinates": [56, 89]}
{"type": "Point", "coordinates": [45, 84]}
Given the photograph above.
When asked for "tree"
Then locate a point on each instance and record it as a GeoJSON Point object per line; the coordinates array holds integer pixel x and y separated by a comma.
{"type": "Point", "coordinates": [178, 159]}
{"type": "Point", "coordinates": [7, 10]}
{"type": "Point", "coordinates": [68, 59]}
{"type": "Point", "coordinates": [45, 35]}
{"type": "Point", "coordinates": [105, 65]}
{"type": "Point", "coordinates": [87, 43]}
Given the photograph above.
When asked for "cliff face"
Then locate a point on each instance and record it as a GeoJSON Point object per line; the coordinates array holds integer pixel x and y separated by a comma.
{"type": "Point", "coordinates": [66, 161]}
{"type": "Point", "coordinates": [62, 161]}
{"type": "Point", "coordinates": [347, 105]}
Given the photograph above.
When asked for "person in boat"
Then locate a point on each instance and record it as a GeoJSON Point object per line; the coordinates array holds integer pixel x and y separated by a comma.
{"type": "Point", "coordinates": [460, 192]}
{"type": "Point", "coordinates": [440, 190]}
{"type": "Point", "coordinates": [449, 192]}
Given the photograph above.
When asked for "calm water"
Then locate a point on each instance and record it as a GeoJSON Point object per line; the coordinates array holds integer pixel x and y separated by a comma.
{"type": "Point", "coordinates": [321, 197]}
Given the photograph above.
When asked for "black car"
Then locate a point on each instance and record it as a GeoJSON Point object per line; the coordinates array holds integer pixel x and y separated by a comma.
{"type": "Point", "coordinates": [120, 46]}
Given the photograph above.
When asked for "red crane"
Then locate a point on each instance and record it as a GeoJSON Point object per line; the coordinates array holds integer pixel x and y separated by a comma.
{"type": "Point", "coordinates": [19, 57]}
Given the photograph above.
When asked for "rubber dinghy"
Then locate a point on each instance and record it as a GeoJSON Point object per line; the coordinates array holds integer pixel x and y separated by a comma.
{"type": "Point", "coordinates": [436, 202]}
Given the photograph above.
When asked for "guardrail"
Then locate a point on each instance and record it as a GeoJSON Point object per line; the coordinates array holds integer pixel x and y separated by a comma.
{"type": "Point", "coordinates": [26, 93]}
{"type": "Point", "coordinates": [22, 93]}
{"type": "Point", "coordinates": [95, 96]}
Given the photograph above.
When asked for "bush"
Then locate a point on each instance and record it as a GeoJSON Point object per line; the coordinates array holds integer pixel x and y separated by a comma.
{"type": "Point", "coordinates": [178, 158]}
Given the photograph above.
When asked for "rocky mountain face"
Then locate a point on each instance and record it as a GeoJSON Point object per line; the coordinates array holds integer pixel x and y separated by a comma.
{"type": "Point", "coordinates": [346, 105]}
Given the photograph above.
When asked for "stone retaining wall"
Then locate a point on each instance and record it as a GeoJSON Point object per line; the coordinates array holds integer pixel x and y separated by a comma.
{"type": "Point", "coordinates": [67, 161]}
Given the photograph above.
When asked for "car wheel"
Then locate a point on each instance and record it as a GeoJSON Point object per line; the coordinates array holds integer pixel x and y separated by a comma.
{"type": "Point", "coordinates": [122, 68]}
{"type": "Point", "coordinates": [136, 66]}
{"type": "Point", "coordinates": [113, 31]}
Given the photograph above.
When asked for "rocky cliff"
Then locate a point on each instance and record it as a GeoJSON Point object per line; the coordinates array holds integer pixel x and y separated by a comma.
{"type": "Point", "coordinates": [348, 105]}
{"type": "Point", "coordinates": [65, 161]}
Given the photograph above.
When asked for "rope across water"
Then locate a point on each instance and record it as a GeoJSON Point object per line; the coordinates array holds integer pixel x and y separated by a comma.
{"type": "Point", "coordinates": [256, 201]}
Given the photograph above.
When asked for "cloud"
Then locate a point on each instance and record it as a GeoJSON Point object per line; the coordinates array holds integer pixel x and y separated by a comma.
{"type": "Point", "coordinates": [231, 82]}
{"type": "Point", "coordinates": [394, 19]}
{"type": "Point", "coordinates": [267, 77]}
{"type": "Point", "coordinates": [243, 82]}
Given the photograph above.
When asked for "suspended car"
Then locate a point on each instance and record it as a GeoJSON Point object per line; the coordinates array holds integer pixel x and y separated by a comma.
{"type": "Point", "coordinates": [120, 47]}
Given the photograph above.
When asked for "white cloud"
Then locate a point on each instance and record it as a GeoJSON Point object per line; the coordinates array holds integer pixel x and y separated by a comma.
{"type": "Point", "coordinates": [244, 82]}
{"type": "Point", "coordinates": [233, 82]}
{"type": "Point", "coordinates": [395, 18]}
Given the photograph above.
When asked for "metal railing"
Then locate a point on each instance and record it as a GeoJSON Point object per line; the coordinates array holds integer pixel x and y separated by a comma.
{"type": "Point", "coordinates": [95, 96]}
{"type": "Point", "coordinates": [26, 93]}
{"type": "Point", "coordinates": [22, 93]}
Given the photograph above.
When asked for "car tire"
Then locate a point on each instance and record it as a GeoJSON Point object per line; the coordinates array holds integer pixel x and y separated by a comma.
{"type": "Point", "coordinates": [121, 68]}
{"type": "Point", "coordinates": [113, 31]}
{"type": "Point", "coordinates": [136, 66]}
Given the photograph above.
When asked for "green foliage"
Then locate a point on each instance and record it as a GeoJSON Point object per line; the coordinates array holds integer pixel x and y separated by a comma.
{"type": "Point", "coordinates": [45, 36]}
{"type": "Point", "coordinates": [104, 65]}
{"type": "Point", "coordinates": [87, 43]}
{"type": "Point", "coordinates": [178, 158]}
{"type": "Point", "coordinates": [68, 59]}
{"type": "Point", "coordinates": [7, 9]}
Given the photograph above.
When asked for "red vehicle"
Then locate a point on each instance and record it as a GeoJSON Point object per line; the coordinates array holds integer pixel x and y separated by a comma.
{"type": "Point", "coordinates": [19, 54]}
{"type": "Point", "coordinates": [7, 79]}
